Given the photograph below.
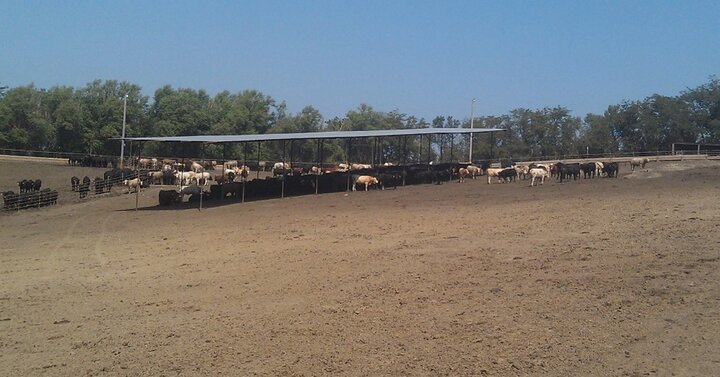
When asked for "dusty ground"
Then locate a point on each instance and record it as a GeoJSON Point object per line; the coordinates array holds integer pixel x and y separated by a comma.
{"type": "Point", "coordinates": [605, 277]}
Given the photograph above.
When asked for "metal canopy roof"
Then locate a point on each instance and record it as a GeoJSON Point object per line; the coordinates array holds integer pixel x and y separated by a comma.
{"type": "Point", "coordinates": [312, 135]}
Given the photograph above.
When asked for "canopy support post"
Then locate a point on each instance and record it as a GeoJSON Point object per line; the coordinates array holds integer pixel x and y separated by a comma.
{"type": "Point", "coordinates": [429, 148]}
{"type": "Point", "coordinates": [282, 184]}
{"type": "Point", "coordinates": [258, 160]}
{"type": "Point", "coordinates": [347, 161]}
{"type": "Point", "coordinates": [244, 179]}
{"type": "Point", "coordinates": [452, 147]}
{"type": "Point", "coordinates": [137, 175]}
{"type": "Point", "coordinates": [202, 158]}
{"type": "Point", "coordinates": [320, 159]}
{"type": "Point", "coordinates": [404, 159]}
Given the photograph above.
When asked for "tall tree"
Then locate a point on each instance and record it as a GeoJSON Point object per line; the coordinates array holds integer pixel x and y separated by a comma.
{"type": "Point", "coordinates": [24, 119]}
{"type": "Point", "coordinates": [704, 104]}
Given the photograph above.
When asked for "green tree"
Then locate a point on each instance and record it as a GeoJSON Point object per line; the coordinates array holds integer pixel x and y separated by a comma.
{"type": "Point", "coordinates": [102, 114]}
{"type": "Point", "coordinates": [597, 135]}
{"type": "Point", "coordinates": [24, 122]}
{"type": "Point", "coordinates": [704, 105]}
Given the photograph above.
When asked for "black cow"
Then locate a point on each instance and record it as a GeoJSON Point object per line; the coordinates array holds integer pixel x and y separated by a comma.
{"type": "Point", "coordinates": [26, 185]}
{"type": "Point", "coordinates": [611, 169]}
{"type": "Point", "coordinates": [168, 177]}
{"type": "Point", "coordinates": [390, 179]}
{"type": "Point", "coordinates": [84, 187]}
{"type": "Point", "coordinates": [75, 183]}
{"type": "Point", "coordinates": [36, 185]}
{"type": "Point", "coordinates": [11, 200]}
{"type": "Point", "coordinates": [441, 175]}
{"type": "Point", "coordinates": [331, 182]}
{"type": "Point", "coordinates": [506, 163]}
{"type": "Point", "coordinates": [567, 170]}
{"type": "Point", "coordinates": [99, 185]}
{"type": "Point", "coordinates": [117, 175]}
{"type": "Point", "coordinates": [484, 165]}
{"type": "Point", "coordinates": [168, 197]}
{"type": "Point", "coordinates": [416, 177]}
{"type": "Point", "coordinates": [507, 175]}
{"type": "Point", "coordinates": [588, 170]}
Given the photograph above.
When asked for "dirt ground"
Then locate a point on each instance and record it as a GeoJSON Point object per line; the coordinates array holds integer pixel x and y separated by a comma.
{"type": "Point", "coordinates": [603, 277]}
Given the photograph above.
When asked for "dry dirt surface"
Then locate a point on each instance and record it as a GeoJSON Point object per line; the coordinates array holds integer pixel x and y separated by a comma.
{"type": "Point", "coordinates": [603, 277]}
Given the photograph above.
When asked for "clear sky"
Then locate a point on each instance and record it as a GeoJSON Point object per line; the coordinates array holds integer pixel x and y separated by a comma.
{"type": "Point", "coordinates": [423, 58]}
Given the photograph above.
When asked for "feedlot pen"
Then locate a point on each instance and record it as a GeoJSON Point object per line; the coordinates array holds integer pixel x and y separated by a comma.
{"type": "Point", "coordinates": [594, 278]}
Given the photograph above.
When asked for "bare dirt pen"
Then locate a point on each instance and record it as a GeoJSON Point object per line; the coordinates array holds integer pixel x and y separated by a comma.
{"type": "Point", "coordinates": [598, 277]}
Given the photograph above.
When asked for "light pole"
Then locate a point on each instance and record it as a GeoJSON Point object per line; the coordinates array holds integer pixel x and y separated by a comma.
{"type": "Point", "coordinates": [122, 141]}
{"type": "Point", "coordinates": [472, 119]}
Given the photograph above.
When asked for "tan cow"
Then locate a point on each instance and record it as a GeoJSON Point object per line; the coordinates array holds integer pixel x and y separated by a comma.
{"type": "Point", "coordinates": [243, 172]}
{"type": "Point", "coordinates": [493, 172]}
{"type": "Point", "coordinates": [196, 167]}
{"type": "Point", "coordinates": [144, 163]}
{"type": "Point", "coordinates": [462, 173]}
{"type": "Point", "coordinates": [156, 177]}
{"type": "Point", "coordinates": [366, 180]}
{"type": "Point", "coordinates": [132, 183]}
{"type": "Point", "coordinates": [540, 173]}
{"type": "Point", "coordinates": [474, 171]}
{"type": "Point", "coordinates": [360, 166]}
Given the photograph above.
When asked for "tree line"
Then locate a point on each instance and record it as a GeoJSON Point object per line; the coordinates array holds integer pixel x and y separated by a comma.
{"type": "Point", "coordinates": [84, 120]}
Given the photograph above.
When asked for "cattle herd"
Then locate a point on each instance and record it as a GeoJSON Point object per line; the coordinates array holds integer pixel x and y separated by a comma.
{"type": "Point", "coordinates": [233, 180]}
{"type": "Point", "coordinates": [293, 180]}
{"type": "Point", "coordinates": [92, 161]}
{"type": "Point", "coordinates": [31, 195]}
{"type": "Point", "coordinates": [102, 184]}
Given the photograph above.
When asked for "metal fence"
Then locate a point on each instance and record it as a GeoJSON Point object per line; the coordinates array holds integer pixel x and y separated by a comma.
{"type": "Point", "coordinates": [47, 154]}
{"type": "Point", "coordinates": [616, 156]}
{"type": "Point", "coordinates": [29, 199]}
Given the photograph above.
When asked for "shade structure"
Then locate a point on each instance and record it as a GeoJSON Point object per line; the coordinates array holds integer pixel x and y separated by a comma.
{"type": "Point", "coordinates": [213, 139]}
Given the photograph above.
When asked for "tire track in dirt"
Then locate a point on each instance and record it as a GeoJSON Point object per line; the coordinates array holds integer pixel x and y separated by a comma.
{"type": "Point", "coordinates": [101, 238]}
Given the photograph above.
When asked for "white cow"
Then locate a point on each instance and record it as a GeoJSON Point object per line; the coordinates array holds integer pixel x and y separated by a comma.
{"type": "Point", "coordinates": [522, 171]}
{"type": "Point", "coordinates": [185, 177]}
{"type": "Point", "coordinates": [196, 167]}
{"type": "Point", "coordinates": [599, 168]}
{"type": "Point", "coordinates": [202, 178]}
{"type": "Point", "coordinates": [540, 173]}
{"type": "Point", "coordinates": [360, 166]}
{"type": "Point", "coordinates": [638, 161]}
{"type": "Point", "coordinates": [279, 166]}
{"type": "Point", "coordinates": [132, 184]}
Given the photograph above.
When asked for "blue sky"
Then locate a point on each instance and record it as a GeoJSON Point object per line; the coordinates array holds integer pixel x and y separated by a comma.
{"type": "Point", "coordinates": [423, 58]}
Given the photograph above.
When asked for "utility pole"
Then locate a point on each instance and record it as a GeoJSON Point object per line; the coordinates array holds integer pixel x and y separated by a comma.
{"type": "Point", "coordinates": [122, 141]}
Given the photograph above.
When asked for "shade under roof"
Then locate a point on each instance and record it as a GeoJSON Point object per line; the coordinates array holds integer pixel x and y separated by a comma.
{"type": "Point", "coordinates": [312, 135]}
